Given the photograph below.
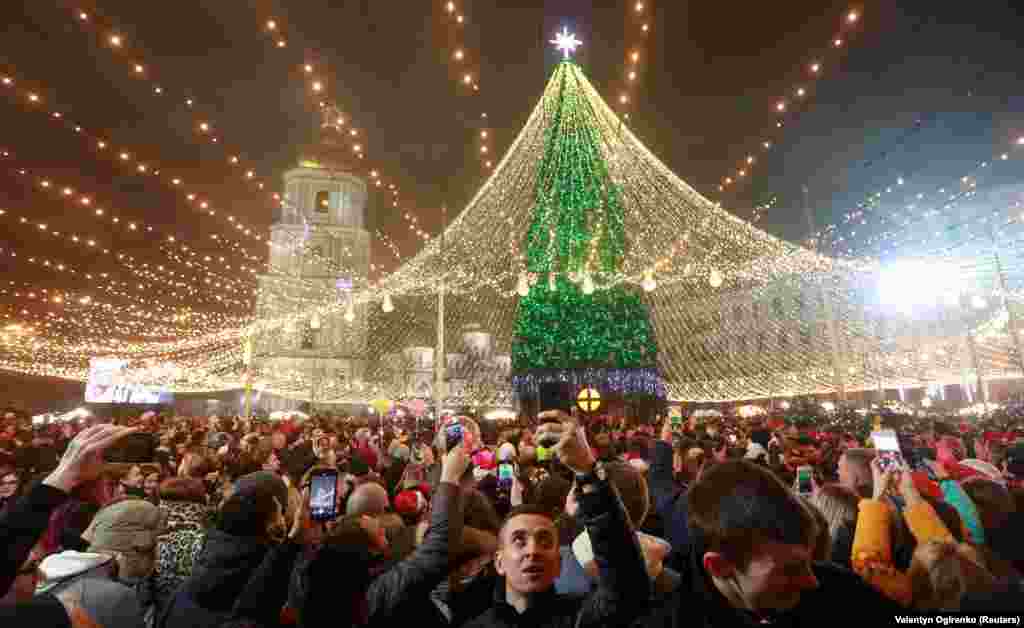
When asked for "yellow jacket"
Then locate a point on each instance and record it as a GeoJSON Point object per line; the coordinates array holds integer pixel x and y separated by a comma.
{"type": "Point", "coordinates": [872, 546]}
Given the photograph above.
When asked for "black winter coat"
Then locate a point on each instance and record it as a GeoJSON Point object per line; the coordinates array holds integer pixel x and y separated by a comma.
{"type": "Point", "coordinates": [624, 587]}
{"type": "Point", "coordinates": [222, 570]}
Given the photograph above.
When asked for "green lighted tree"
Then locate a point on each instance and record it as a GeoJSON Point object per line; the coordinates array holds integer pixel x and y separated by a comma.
{"type": "Point", "coordinates": [577, 234]}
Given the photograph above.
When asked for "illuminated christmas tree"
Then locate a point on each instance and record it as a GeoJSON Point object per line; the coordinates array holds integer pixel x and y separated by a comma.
{"type": "Point", "coordinates": [566, 330]}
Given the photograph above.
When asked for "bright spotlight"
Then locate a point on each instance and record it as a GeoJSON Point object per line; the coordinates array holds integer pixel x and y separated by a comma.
{"type": "Point", "coordinates": [910, 283]}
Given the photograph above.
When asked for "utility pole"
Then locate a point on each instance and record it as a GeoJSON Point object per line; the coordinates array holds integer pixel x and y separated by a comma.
{"type": "Point", "coordinates": [439, 351]}
{"type": "Point", "coordinates": [826, 299]}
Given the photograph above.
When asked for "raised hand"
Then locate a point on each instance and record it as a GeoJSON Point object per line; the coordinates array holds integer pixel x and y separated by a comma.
{"type": "Point", "coordinates": [83, 459]}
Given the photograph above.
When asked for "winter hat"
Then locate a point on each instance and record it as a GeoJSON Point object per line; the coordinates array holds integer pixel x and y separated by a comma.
{"type": "Point", "coordinates": [485, 459]}
{"type": "Point", "coordinates": [129, 527]}
{"type": "Point", "coordinates": [62, 566]}
{"type": "Point", "coordinates": [410, 503]}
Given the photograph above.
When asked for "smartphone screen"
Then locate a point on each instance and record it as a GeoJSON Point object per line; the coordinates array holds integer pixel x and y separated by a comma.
{"type": "Point", "coordinates": [803, 480]}
{"type": "Point", "coordinates": [887, 444]}
{"type": "Point", "coordinates": [505, 473]}
{"type": "Point", "coordinates": [322, 495]}
{"type": "Point", "coordinates": [453, 435]}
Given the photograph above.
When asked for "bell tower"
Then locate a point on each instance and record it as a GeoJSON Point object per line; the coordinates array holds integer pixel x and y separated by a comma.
{"type": "Point", "coordinates": [319, 254]}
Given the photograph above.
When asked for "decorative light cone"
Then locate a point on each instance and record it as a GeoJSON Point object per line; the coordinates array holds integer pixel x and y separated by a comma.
{"type": "Point", "coordinates": [552, 286]}
{"type": "Point", "coordinates": [649, 284]}
{"type": "Point", "coordinates": [523, 289]}
{"type": "Point", "coordinates": [588, 284]}
{"type": "Point", "coordinates": [350, 312]}
{"type": "Point", "coordinates": [387, 305]}
{"type": "Point", "coordinates": [715, 278]}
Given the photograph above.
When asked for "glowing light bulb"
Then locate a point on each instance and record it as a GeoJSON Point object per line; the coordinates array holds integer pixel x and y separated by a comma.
{"type": "Point", "coordinates": [139, 69]}
{"type": "Point", "coordinates": [314, 321]}
{"type": "Point", "coordinates": [308, 68]}
{"type": "Point", "coordinates": [115, 40]}
{"type": "Point", "coordinates": [483, 134]}
{"type": "Point", "coordinates": [645, 28]}
{"type": "Point", "coordinates": [632, 75]}
{"type": "Point", "coordinates": [624, 99]}
{"type": "Point", "coordinates": [639, 7]}
{"type": "Point", "coordinates": [33, 98]}
{"type": "Point", "coordinates": [635, 57]}
{"type": "Point", "coordinates": [815, 68]}
{"type": "Point", "coordinates": [271, 25]}
{"type": "Point", "coordinates": [715, 278]}
{"type": "Point", "coordinates": [649, 284]}
{"type": "Point", "coordinates": [467, 79]}
{"type": "Point", "coordinates": [552, 283]}
{"type": "Point", "coordinates": [204, 126]}
{"type": "Point", "coordinates": [450, 7]}
{"type": "Point", "coordinates": [781, 106]}
{"type": "Point", "coordinates": [350, 312]}
{"type": "Point", "coordinates": [852, 17]}
{"type": "Point", "coordinates": [318, 86]}
{"type": "Point", "coordinates": [386, 305]}
{"type": "Point", "coordinates": [801, 92]}
{"type": "Point", "coordinates": [82, 15]}
{"type": "Point", "coordinates": [588, 284]}
{"type": "Point", "coordinates": [837, 42]}
{"type": "Point", "coordinates": [459, 55]}
{"type": "Point", "coordinates": [523, 287]}
{"type": "Point", "coordinates": [281, 43]}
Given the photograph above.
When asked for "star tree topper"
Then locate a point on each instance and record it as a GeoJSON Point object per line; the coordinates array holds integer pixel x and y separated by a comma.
{"type": "Point", "coordinates": [566, 42]}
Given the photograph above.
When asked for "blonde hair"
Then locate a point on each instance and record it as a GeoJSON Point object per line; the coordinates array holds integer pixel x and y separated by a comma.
{"type": "Point", "coordinates": [943, 573]}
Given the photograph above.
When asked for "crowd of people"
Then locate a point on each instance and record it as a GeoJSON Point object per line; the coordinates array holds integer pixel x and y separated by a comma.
{"type": "Point", "coordinates": [183, 522]}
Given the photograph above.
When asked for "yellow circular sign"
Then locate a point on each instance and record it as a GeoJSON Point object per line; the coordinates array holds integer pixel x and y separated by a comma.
{"type": "Point", "coordinates": [589, 400]}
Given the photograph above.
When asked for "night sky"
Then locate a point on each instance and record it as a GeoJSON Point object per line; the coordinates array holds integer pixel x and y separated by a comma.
{"type": "Point", "coordinates": [923, 90]}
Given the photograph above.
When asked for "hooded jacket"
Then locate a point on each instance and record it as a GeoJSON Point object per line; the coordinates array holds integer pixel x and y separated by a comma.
{"type": "Point", "coordinates": [669, 501]}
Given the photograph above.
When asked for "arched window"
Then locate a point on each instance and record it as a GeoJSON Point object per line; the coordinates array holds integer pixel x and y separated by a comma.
{"type": "Point", "coordinates": [323, 201]}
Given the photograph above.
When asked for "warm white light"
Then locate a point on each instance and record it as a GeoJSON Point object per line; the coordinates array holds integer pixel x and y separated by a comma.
{"type": "Point", "coordinates": [639, 7]}
{"type": "Point", "coordinates": [281, 43]}
{"type": "Point", "coordinates": [483, 134]}
{"type": "Point", "coordinates": [852, 17]}
{"type": "Point", "coordinates": [632, 75]}
{"type": "Point", "coordinates": [459, 55]}
{"type": "Point", "coordinates": [649, 284]}
{"type": "Point", "coordinates": [645, 28]}
{"type": "Point", "coordinates": [467, 79]}
{"type": "Point", "coordinates": [317, 86]}
{"type": "Point", "coordinates": [566, 43]}
{"type": "Point", "coordinates": [350, 312]}
{"type": "Point", "coordinates": [82, 15]}
{"type": "Point", "coordinates": [139, 69]}
{"type": "Point", "coordinates": [715, 278]}
{"type": "Point", "coordinates": [33, 98]}
{"type": "Point", "coordinates": [635, 57]}
{"type": "Point", "coordinates": [308, 68]}
{"type": "Point", "coordinates": [115, 40]}
{"type": "Point", "coordinates": [386, 305]}
{"type": "Point", "coordinates": [588, 284]}
{"type": "Point", "coordinates": [204, 126]}
{"type": "Point", "coordinates": [781, 106]}
{"type": "Point", "coordinates": [624, 99]}
{"type": "Point", "coordinates": [451, 7]}
{"type": "Point", "coordinates": [815, 67]}
{"type": "Point", "coordinates": [271, 25]}
{"type": "Point", "coordinates": [978, 302]}
{"type": "Point", "coordinates": [801, 92]}
{"type": "Point", "coordinates": [837, 42]}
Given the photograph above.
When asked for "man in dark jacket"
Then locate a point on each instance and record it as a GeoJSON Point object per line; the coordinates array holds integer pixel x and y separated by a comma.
{"type": "Point", "coordinates": [528, 556]}
{"type": "Point", "coordinates": [749, 561]}
{"type": "Point", "coordinates": [669, 498]}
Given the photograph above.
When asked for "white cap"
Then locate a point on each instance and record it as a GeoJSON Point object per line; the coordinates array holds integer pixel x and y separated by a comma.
{"type": "Point", "coordinates": [58, 567]}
